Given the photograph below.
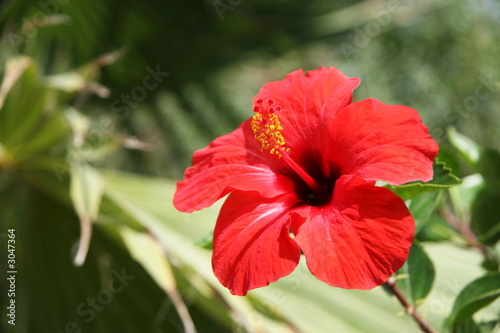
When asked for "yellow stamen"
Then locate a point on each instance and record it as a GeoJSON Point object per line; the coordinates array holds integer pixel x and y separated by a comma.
{"type": "Point", "coordinates": [267, 128]}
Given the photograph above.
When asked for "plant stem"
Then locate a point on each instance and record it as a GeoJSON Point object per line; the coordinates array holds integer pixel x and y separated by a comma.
{"type": "Point", "coordinates": [393, 287]}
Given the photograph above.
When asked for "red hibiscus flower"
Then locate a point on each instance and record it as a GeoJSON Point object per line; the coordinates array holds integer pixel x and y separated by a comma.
{"type": "Point", "coordinates": [301, 176]}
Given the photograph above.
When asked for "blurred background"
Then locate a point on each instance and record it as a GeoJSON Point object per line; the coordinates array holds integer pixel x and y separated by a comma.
{"type": "Point", "coordinates": [103, 103]}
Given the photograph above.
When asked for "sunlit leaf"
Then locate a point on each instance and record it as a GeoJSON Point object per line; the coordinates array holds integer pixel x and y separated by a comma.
{"type": "Point", "coordinates": [455, 267]}
{"type": "Point", "coordinates": [468, 191]}
{"type": "Point", "coordinates": [469, 150]}
{"type": "Point", "coordinates": [14, 69]}
{"type": "Point", "coordinates": [69, 82]}
{"type": "Point", "coordinates": [86, 191]}
{"type": "Point", "coordinates": [473, 297]}
{"type": "Point", "coordinates": [78, 123]}
{"type": "Point", "coordinates": [149, 254]}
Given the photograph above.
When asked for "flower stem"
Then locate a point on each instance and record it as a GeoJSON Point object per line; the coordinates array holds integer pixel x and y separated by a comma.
{"type": "Point", "coordinates": [393, 287]}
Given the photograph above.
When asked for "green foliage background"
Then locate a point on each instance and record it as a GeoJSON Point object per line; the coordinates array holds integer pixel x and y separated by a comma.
{"type": "Point", "coordinates": [88, 141]}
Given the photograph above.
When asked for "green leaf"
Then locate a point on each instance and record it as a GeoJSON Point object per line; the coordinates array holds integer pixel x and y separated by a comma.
{"type": "Point", "coordinates": [467, 148]}
{"type": "Point", "coordinates": [13, 70]}
{"type": "Point", "coordinates": [437, 230]}
{"type": "Point", "coordinates": [448, 155]}
{"type": "Point", "coordinates": [464, 195]}
{"type": "Point", "coordinates": [490, 326]}
{"type": "Point", "coordinates": [21, 116]}
{"type": "Point", "coordinates": [69, 82]}
{"type": "Point", "coordinates": [485, 219]}
{"type": "Point", "coordinates": [86, 191]}
{"type": "Point", "coordinates": [489, 167]}
{"type": "Point", "coordinates": [207, 241]}
{"type": "Point", "coordinates": [469, 326]}
{"type": "Point", "coordinates": [416, 277]}
{"type": "Point", "coordinates": [443, 178]}
{"type": "Point", "coordinates": [44, 246]}
{"type": "Point", "coordinates": [422, 207]}
{"type": "Point", "coordinates": [148, 252]}
{"type": "Point", "coordinates": [473, 297]}
{"type": "Point", "coordinates": [455, 268]}
{"type": "Point", "coordinates": [30, 122]}
{"type": "Point", "coordinates": [79, 124]}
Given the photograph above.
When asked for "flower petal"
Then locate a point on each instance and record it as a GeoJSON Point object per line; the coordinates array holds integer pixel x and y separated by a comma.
{"type": "Point", "coordinates": [252, 244]}
{"type": "Point", "coordinates": [236, 161]}
{"type": "Point", "coordinates": [382, 142]}
{"type": "Point", "coordinates": [230, 162]}
{"type": "Point", "coordinates": [308, 101]}
{"type": "Point", "coordinates": [359, 239]}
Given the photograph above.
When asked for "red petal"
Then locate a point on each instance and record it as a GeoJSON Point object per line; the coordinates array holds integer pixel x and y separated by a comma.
{"type": "Point", "coordinates": [382, 142]}
{"type": "Point", "coordinates": [308, 101]}
{"type": "Point", "coordinates": [359, 239]}
{"type": "Point", "coordinates": [228, 163]}
{"type": "Point", "coordinates": [236, 162]}
{"type": "Point", "coordinates": [252, 244]}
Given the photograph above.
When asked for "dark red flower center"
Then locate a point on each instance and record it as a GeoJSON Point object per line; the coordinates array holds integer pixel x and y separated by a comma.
{"type": "Point", "coordinates": [314, 185]}
{"type": "Point", "coordinates": [325, 175]}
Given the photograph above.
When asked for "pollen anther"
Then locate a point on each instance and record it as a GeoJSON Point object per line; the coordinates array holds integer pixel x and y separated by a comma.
{"type": "Point", "coordinates": [267, 128]}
